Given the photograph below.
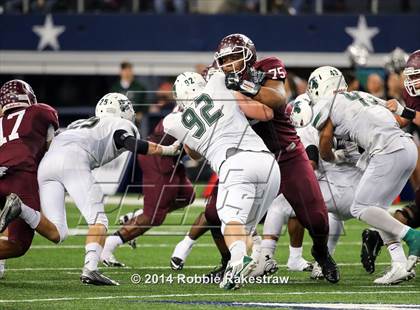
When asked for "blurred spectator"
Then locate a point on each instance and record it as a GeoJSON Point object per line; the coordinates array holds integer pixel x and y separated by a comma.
{"type": "Point", "coordinates": [351, 80]}
{"type": "Point", "coordinates": [294, 86]}
{"type": "Point", "coordinates": [200, 68]}
{"type": "Point", "coordinates": [165, 6]}
{"type": "Point", "coordinates": [128, 86]}
{"type": "Point", "coordinates": [42, 6]}
{"type": "Point", "coordinates": [165, 101]}
{"type": "Point", "coordinates": [395, 85]}
{"type": "Point", "coordinates": [375, 85]}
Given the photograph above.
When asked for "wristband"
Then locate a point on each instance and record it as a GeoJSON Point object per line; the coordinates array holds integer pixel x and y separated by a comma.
{"type": "Point", "coordinates": [249, 89]}
{"type": "Point", "coordinates": [408, 113]}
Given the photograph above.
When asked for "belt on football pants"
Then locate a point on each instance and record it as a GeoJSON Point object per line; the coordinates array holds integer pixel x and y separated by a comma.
{"type": "Point", "coordinates": [233, 151]}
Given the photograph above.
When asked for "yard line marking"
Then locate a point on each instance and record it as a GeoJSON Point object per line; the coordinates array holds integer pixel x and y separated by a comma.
{"type": "Point", "coordinates": [304, 306]}
{"type": "Point", "coordinates": [157, 245]}
{"type": "Point", "coordinates": [233, 294]}
{"type": "Point", "coordinates": [128, 268]}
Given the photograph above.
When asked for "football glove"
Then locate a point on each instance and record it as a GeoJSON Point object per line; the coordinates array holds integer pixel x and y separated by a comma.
{"type": "Point", "coordinates": [248, 88]}
{"type": "Point", "coordinates": [171, 150]}
{"type": "Point", "coordinates": [256, 76]}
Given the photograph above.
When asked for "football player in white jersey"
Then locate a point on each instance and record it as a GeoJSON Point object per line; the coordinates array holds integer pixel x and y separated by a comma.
{"type": "Point", "coordinates": [337, 184]}
{"type": "Point", "coordinates": [68, 165]}
{"type": "Point", "coordinates": [388, 159]}
{"type": "Point", "coordinates": [211, 124]}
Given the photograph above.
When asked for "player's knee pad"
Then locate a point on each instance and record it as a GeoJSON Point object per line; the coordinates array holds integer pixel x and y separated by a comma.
{"type": "Point", "coordinates": [229, 215]}
{"type": "Point", "coordinates": [63, 232]}
{"type": "Point", "coordinates": [357, 209]}
{"type": "Point", "coordinates": [412, 215]}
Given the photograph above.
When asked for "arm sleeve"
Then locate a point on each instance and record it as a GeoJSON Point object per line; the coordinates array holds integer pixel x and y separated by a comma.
{"type": "Point", "coordinates": [49, 115]}
{"type": "Point", "coordinates": [321, 115]}
{"type": "Point", "coordinates": [123, 139]}
{"type": "Point", "coordinates": [273, 67]}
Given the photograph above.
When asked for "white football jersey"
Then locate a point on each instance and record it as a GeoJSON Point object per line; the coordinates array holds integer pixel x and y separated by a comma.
{"type": "Point", "coordinates": [214, 124]}
{"type": "Point", "coordinates": [362, 118]}
{"type": "Point", "coordinates": [339, 175]}
{"type": "Point", "coordinates": [95, 136]}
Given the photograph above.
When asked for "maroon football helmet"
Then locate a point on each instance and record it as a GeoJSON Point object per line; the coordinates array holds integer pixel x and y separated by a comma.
{"type": "Point", "coordinates": [16, 93]}
{"type": "Point", "coordinates": [236, 44]}
{"type": "Point", "coordinates": [412, 74]}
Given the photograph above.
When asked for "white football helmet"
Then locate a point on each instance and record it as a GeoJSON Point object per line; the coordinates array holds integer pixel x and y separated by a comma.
{"type": "Point", "coordinates": [115, 105]}
{"type": "Point", "coordinates": [187, 87]}
{"type": "Point", "coordinates": [301, 114]}
{"type": "Point", "coordinates": [324, 82]}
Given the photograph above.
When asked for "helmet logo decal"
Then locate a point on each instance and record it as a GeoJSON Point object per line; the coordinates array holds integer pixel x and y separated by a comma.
{"type": "Point", "coordinates": [313, 83]}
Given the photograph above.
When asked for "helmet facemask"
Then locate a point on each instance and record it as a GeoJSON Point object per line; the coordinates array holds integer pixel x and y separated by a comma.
{"type": "Point", "coordinates": [242, 53]}
{"type": "Point", "coordinates": [127, 110]}
{"type": "Point", "coordinates": [412, 81]}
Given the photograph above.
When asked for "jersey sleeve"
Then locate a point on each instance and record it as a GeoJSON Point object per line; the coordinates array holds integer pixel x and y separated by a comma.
{"type": "Point", "coordinates": [48, 115]}
{"type": "Point", "coordinates": [170, 124]}
{"type": "Point", "coordinates": [411, 102]}
{"type": "Point", "coordinates": [126, 125]}
{"type": "Point", "coordinates": [321, 114]}
{"type": "Point", "coordinates": [273, 67]}
{"type": "Point", "coordinates": [308, 135]}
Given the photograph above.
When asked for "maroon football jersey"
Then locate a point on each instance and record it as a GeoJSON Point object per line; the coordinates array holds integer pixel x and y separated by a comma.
{"type": "Point", "coordinates": [159, 136]}
{"type": "Point", "coordinates": [411, 102]}
{"type": "Point", "coordinates": [279, 135]}
{"type": "Point", "coordinates": [23, 136]}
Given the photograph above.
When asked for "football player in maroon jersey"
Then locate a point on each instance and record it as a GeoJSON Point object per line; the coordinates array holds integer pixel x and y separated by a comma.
{"type": "Point", "coordinates": [26, 127]}
{"type": "Point", "coordinates": [263, 81]}
{"type": "Point", "coordinates": [410, 214]}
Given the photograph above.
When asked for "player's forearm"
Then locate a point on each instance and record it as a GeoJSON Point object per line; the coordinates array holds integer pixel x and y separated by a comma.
{"type": "Point", "coordinates": [254, 109]}
{"type": "Point", "coordinates": [326, 140]}
{"type": "Point", "coordinates": [270, 97]}
{"type": "Point", "coordinates": [191, 153]}
{"type": "Point", "coordinates": [163, 150]}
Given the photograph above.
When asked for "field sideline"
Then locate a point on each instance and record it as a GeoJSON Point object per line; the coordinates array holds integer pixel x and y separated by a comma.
{"type": "Point", "coordinates": [47, 277]}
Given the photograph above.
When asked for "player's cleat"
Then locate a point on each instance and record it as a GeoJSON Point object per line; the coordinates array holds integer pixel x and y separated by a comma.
{"type": "Point", "coordinates": [177, 263]}
{"type": "Point", "coordinates": [133, 243]}
{"type": "Point", "coordinates": [411, 262]}
{"type": "Point", "coordinates": [299, 264]}
{"type": "Point", "coordinates": [112, 262]}
{"type": "Point", "coordinates": [218, 272]}
{"type": "Point", "coordinates": [181, 252]}
{"type": "Point", "coordinates": [265, 266]}
{"type": "Point", "coordinates": [328, 266]}
{"type": "Point", "coordinates": [316, 273]}
{"type": "Point", "coordinates": [371, 246]}
{"type": "Point", "coordinates": [124, 219]}
{"type": "Point", "coordinates": [11, 210]}
{"type": "Point", "coordinates": [395, 275]}
{"type": "Point", "coordinates": [95, 277]}
{"type": "Point", "coordinates": [236, 272]}
{"type": "Point", "coordinates": [2, 268]}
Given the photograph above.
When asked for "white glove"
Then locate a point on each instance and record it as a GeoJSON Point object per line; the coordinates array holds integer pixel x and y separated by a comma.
{"type": "Point", "coordinates": [3, 171]}
{"type": "Point", "coordinates": [395, 107]}
{"type": "Point", "coordinates": [171, 150]}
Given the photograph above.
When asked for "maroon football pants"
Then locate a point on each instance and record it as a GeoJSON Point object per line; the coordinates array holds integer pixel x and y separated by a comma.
{"type": "Point", "coordinates": [25, 185]}
{"type": "Point", "coordinates": [163, 190]}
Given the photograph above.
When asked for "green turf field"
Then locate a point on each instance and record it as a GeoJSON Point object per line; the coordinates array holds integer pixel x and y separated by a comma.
{"type": "Point", "coordinates": [48, 276]}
